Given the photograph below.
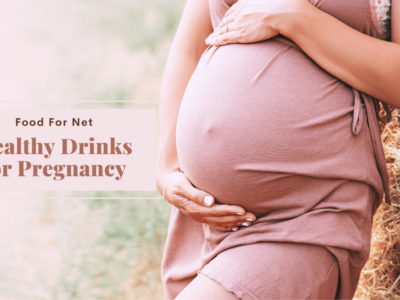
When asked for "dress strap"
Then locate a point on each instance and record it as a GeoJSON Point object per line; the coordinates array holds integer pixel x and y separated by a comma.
{"type": "Point", "coordinates": [361, 100]}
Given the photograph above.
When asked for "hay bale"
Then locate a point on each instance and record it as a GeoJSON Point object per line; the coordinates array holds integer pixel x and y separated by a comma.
{"type": "Point", "coordinates": [380, 278]}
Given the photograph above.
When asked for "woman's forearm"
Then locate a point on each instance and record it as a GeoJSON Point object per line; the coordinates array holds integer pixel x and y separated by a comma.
{"type": "Point", "coordinates": [185, 53]}
{"type": "Point", "coordinates": [178, 71]}
{"type": "Point", "coordinates": [365, 63]}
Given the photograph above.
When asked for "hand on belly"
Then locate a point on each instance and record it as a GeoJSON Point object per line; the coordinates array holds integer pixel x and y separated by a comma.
{"type": "Point", "coordinates": [201, 206]}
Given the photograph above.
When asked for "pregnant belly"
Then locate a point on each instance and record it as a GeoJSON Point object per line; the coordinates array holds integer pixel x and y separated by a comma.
{"type": "Point", "coordinates": [263, 127]}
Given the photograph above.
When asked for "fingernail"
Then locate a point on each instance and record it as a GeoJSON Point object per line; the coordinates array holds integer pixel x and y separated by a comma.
{"type": "Point", "coordinates": [249, 220]}
{"type": "Point", "coordinates": [239, 214]}
{"type": "Point", "coordinates": [208, 200]}
{"type": "Point", "coordinates": [235, 229]}
{"type": "Point", "coordinates": [245, 224]}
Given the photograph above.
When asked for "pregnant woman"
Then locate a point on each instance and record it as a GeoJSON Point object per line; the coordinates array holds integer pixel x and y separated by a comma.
{"type": "Point", "coordinates": [271, 151]}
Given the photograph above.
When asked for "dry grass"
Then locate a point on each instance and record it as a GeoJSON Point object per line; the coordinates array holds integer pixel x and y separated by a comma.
{"type": "Point", "coordinates": [380, 278]}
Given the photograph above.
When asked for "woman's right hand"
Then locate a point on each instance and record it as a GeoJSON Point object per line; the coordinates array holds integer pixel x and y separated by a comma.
{"type": "Point", "coordinates": [201, 207]}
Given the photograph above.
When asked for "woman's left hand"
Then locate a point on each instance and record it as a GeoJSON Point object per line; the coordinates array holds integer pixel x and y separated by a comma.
{"type": "Point", "coordinates": [250, 21]}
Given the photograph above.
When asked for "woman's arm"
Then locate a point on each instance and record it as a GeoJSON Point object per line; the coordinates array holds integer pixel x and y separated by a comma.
{"type": "Point", "coordinates": [365, 63]}
{"type": "Point", "coordinates": [185, 53]}
{"type": "Point", "coordinates": [186, 50]}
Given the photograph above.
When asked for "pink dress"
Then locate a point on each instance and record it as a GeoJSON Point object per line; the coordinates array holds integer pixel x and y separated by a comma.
{"type": "Point", "coordinates": [264, 127]}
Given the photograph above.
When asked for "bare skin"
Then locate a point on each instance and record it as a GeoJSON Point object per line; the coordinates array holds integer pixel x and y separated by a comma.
{"type": "Point", "coordinates": [185, 52]}
{"type": "Point", "coordinates": [368, 64]}
{"type": "Point", "coordinates": [202, 288]}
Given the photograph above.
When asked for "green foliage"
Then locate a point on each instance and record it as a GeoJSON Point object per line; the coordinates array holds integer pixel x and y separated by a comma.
{"type": "Point", "coordinates": [70, 50]}
{"type": "Point", "coordinates": [84, 249]}
{"type": "Point", "coordinates": [99, 241]}
{"type": "Point", "coordinates": [157, 20]}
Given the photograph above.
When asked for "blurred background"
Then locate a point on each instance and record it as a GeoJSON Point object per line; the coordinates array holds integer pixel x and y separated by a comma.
{"type": "Point", "coordinates": [83, 50]}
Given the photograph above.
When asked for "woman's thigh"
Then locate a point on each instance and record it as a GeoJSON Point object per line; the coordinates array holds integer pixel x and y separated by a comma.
{"type": "Point", "coordinates": [202, 288]}
{"type": "Point", "coordinates": [267, 270]}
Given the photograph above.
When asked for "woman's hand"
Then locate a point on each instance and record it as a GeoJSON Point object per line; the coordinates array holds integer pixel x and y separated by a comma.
{"type": "Point", "coordinates": [250, 21]}
{"type": "Point", "coordinates": [201, 207]}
